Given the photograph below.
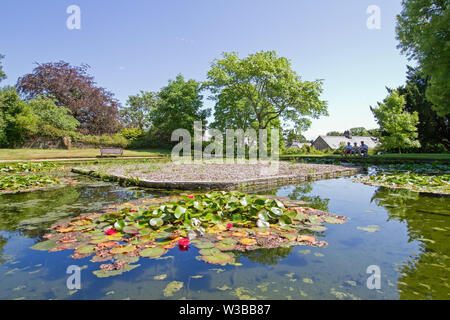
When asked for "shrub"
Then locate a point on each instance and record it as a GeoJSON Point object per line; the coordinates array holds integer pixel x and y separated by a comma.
{"type": "Point", "coordinates": [49, 113]}
{"type": "Point", "coordinates": [132, 134]}
{"type": "Point", "coordinates": [18, 120]}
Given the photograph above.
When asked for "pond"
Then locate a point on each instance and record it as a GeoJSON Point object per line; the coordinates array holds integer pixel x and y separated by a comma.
{"type": "Point", "coordinates": [403, 233]}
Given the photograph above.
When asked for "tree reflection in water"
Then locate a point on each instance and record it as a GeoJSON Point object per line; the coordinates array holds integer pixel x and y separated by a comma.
{"type": "Point", "coordinates": [30, 214]}
{"type": "Point", "coordinates": [425, 276]}
{"type": "Point", "coordinates": [264, 256]}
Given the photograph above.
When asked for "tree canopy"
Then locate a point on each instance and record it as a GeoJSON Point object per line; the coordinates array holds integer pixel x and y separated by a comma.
{"type": "Point", "coordinates": [137, 112]}
{"type": "Point", "coordinates": [179, 105]}
{"type": "Point", "coordinates": [423, 31]}
{"type": "Point", "coordinates": [2, 73]}
{"type": "Point", "coordinates": [398, 127]}
{"type": "Point", "coordinates": [264, 89]}
{"type": "Point", "coordinates": [95, 108]}
{"type": "Point", "coordinates": [432, 129]}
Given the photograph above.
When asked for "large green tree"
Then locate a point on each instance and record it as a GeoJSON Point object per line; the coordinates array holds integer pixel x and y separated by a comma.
{"type": "Point", "coordinates": [433, 130]}
{"type": "Point", "coordinates": [398, 127]}
{"type": "Point", "coordinates": [265, 89]}
{"type": "Point", "coordinates": [136, 113]}
{"type": "Point", "coordinates": [179, 105]}
{"type": "Point", "coordinates": [423, 31]}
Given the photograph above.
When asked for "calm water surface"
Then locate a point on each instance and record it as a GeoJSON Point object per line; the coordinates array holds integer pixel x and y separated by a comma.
{"type": "Point", "coordinates": [403, 233]}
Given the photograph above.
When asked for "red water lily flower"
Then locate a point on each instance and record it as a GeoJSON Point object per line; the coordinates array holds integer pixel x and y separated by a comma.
{"type": "Point", "coordinates": [229, 226]}
{"type": "Point", "coordinates": [190, 196]}
{"type": "Point", "coordinates": [183, 242]}
{"type": "Point", "coordinates": [111, 231]}
{"type": "Point", "coordinates": [132, 210]}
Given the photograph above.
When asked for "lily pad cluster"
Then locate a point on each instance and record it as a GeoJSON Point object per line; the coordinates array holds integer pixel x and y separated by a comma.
{"type": "Point", "coordinates": [435, 183]}
{"type": "Point", "coordinates": [216, 223]}
{"type": "Point", "coordinates": [19, 182]}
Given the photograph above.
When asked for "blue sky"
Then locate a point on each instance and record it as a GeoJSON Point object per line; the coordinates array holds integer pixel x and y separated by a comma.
{"type": "Point", "coordinates": [140, 45]}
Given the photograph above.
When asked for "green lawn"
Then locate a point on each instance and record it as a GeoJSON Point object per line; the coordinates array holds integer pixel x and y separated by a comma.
{"type": "Point", "coordinates": [393, 156]}
{"type": "Point", "coordinates": [37, 154]}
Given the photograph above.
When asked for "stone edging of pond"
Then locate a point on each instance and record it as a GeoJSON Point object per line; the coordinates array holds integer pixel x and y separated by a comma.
{"type": "Point", "coordinates": [220, 185]}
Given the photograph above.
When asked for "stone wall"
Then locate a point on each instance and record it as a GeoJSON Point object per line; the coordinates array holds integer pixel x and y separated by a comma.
{"type": "Point", "coordinates": [63, 143]}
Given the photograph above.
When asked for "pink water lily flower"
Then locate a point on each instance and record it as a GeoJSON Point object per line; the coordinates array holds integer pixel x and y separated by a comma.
{"type": "Point", "coordinates": [190, 196]}
{"type": "Point", "coordinates": [110, 231]}
{"type": "Point", "coordinates": [229, 226]}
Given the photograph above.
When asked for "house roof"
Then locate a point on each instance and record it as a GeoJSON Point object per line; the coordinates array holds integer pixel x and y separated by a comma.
{"type": "Point", "coordinates": [336, 141]}
{"type": "Point", "coordinates": [296, 144]}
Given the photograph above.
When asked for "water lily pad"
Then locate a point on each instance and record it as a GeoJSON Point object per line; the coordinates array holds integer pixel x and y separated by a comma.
{"type": "Point", "coordinates": [204, 245]}
{"type": "Point", "coordinates": [224, 246]}
{"type": "Point", "coordinates": [104, 274]}
{"type": "Point", "coordinates": [85, 249]}
{"type": "Point", "coordinates": [306, 238]}
{"type": "Point", "coordinates": [130, 230]}
{"type": "Point", "coordinates": [317, 228]}
{"type": "Point", "coordinates": [248, 241]}
{"type": "Point", "coordinates": [217, 258]}
{"type": "Point", "coordinates": [370, 228]}
{"type": "Point", "coordinates": [228, 241]}
{"type": "Point", "coordinates": [45, 245]}
{"type": "Point", "coordinates": [209, 251]}
{"type": "Point", "coordinates": [308, 280]}
{"type": "Point", "coordinates": [152, 252]}
{"type": "Point", "coordinates": [172, 287]}
{"type": "Point", "coordinates": [333, 220]}
{"type": "Point", "coordinates": [123, 249]}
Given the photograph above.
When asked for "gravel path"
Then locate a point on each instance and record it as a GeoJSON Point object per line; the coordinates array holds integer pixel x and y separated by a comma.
{"type": "Point", "coordinates": [214, 172]}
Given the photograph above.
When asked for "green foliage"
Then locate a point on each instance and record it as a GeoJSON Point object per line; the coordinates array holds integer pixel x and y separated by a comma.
{"type": "Point", "coordinates": [180, 104]}
{"type": "Point", "coordinates": [335, 134]}
{"type": "Point", "coordinates": [263, 87]}
{"type": "Point", "coordinates": [103, 141]}
{"type": "Point", "coordinates": [2, 73]}
{"type": "Point", "coordinates": [398, 127]}
{"type": "Point", "coordinates": [433, 130]}
{"type": "Point", "coordinates": [412, 181]}
{"type": "Point", "coordinates": [132, 134]}
{"type": "Point", "coordinates": [359, 131]}
{"type": "Point", "coordinates": [306, 149]}
{"type": "Point", "coordinates": [139, 107]}
{"type": "Point", "coordinates": [28, 167]}
{"type": "Point", "coordinates": [294, 135]}
{"type": "Point", "coordinates": [17, 119]}
{"type": "Point", "coordinates": [423, 34]}
{"type": "Point", "coordinates": [49, 113]}
{"type": "Point", "coordinates": [18, 182]}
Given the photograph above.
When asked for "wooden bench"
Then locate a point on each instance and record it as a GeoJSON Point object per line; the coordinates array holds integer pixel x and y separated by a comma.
{"type": "Point", "coordinates": [111, 151]}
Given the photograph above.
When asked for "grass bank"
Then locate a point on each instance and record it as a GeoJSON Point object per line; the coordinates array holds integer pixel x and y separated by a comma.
{"type": "Point", "coordinates": [375, 159]}
{"type": "Point", "coordinates": [40, 154]}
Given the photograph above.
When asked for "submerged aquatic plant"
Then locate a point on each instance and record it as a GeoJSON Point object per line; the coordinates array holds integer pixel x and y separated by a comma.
{"type": "Point", "coordinates": [150, 227]}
